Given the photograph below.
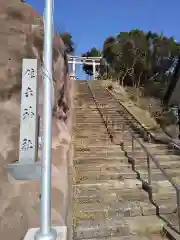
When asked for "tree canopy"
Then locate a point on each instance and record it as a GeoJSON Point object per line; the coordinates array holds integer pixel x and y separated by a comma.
{"type": "Point", "coordinates": [137, 57]}
{"type": "Point", "coordinates": [94, 52]}
{"type": "Point", "coordinates": [67, 39]}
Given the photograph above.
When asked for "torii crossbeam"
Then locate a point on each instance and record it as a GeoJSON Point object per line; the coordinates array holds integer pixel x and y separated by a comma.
{"type": "Point", "coordinates": [74, 60]}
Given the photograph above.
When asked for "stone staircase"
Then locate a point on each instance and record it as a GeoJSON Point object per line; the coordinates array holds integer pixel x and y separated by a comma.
{"type": "Point", "coordinates": [112, 195]}
{"type": "Point", "coordinates": [162, 193]}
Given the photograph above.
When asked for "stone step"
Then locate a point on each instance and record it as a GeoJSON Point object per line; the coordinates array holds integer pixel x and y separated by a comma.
{"type": "Point", "coordinates": [137, 156]}
{"type": "Point", "coordinates": [96, 138]}
{"type": "Point", "coordinates": [87, 108]}
{"type": "Point", "coordinates": [165, 157]}
{"type": "Point", "coordinates": [95, 130]}
{"type": "Point", "coordinates": [166, 183]}
{"type": "Point", "coordinates": [81, 120]}
{"type": "Point", "coordinates": [135, 237]}
{"type": "Point", "coordinates": [95, 133]}
{"type": "Point", "coordinates": [123, 162]}
{"type": "Point", "coordinates": [172, 219]}
{"type": "Point", "coordinates": [163, 186]}
{"type": "Point", "coordinates": [158, 175]}
{"type": "Point", "coordinates": [87, 112]}
{"type": "Point", "coordinates": [165, 154]}
{"type": "Point", "coordinates": [101, 152]}
{"type": "Point", "coordinates": [80, 130]}
{"type": "Point", "coordinates": [98, 143]}
{"type": "Point", "coordinates": [91, 132]}
{"type": "Point", "coordinates": [93, 148]}
{"type": "Point", "coordinates": [87, 142]}
{"type": "Point", "coordinates": [141, 163]}
{"type": "Point", "coordinates": [100, 134]}
{"type": "Point", "coordinates": [149, 146]}
{"type": "Point", "coordinates": [109, 197]}
{"type": "Point", "coordinates": [113, 165]}
{"type": "Point", "coordinates": [93, 140]}
{"type": "Point", "coordinates": [138, 163]}
{"type": "Point", "coordinates": [110, 184]}
{"type": "Point", "coordinates": [100, 211]}
{"type": "Point", "coordinates": [101, 158]}
{"type": "Point", "coordinates": [92, 124]}
{"type": "Point", "coordinates": [157, 186]}
{"type": "Point", "coordinates": [154, 152]}
{"type": "Point", "coordinates": [165, 205]}
{"type": "Point", "coordinates": [90, 112]}
{"type": "Point", "coordinates": [93, 196]}
{"type": "Point", "coordinates": [92, 136]}
{"type": "Point", "coordinates": [115, 194]}
{"type": "Point", "coordinates": [86, 115]}
{"type": "Point", "coordinates": [86, 176]}
{"type": "Point", "coordinates": [118, 227]}
{"type": "Point", "coordinates": [128, 208]}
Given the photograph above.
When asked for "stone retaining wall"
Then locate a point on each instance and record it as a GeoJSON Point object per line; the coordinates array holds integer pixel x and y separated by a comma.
{"type": "Point", "coordinates": [20, 200]}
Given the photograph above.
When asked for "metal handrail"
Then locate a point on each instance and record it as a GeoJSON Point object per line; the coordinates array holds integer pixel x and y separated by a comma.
{"type": "Point", "coordinates": [151, 157]}
{"type": "Point", "coordinates": [173, 183]}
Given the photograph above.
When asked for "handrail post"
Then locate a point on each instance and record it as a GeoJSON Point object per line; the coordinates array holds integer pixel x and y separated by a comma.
{"type": "Point", "coordinates": [112, 130]}
{"type": "Point", "coordinates": [122, 138]}
{"type": "Point", "coordinates": [178, 205]}
{"type": "Point", "coordinates": [132, 149]}
{"type": "Point", "coordinates": [149, 138]}
{"type": "Point", "coordinates": [149, 175]}
{"type": "Point", "coordinates": [112, 126]}
{"type": "Point", "coordinates": [106, 121]}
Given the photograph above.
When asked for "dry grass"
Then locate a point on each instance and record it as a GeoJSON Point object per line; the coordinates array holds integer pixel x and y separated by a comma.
{"type": "Point", "coordinates": [153, 105]}
{"type": "Point", "coordinates": [163, 117]}
{"type": "Point", "coordinates": [147, 109]}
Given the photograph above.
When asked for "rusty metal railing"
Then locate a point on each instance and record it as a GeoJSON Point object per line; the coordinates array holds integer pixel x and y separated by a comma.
{"type": "Point", "coordinates": [111, 125]}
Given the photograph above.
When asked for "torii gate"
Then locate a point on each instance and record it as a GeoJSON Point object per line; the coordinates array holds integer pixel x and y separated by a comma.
{"type": "Point", "coordinates": [94, 61]}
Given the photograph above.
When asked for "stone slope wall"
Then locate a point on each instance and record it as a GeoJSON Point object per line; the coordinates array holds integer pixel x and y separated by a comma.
{"type": "Point", "coordinates": [21, 36]}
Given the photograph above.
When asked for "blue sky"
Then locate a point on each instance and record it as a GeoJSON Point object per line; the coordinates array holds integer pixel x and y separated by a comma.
{"type": "Point", "coordinates": [91, 22]}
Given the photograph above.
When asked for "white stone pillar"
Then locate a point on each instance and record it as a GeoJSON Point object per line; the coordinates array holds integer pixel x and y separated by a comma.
{"type": "Point", "coordinates": [74, 66]}
{"type": "Point", "coordinates": [29, 116]}
{"type": "Point", "coordinates": [94, 69]}
{"type": "Point", "coordinates": [28, 167]}
{"type": "Point", "coordinates": [72, 76]}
